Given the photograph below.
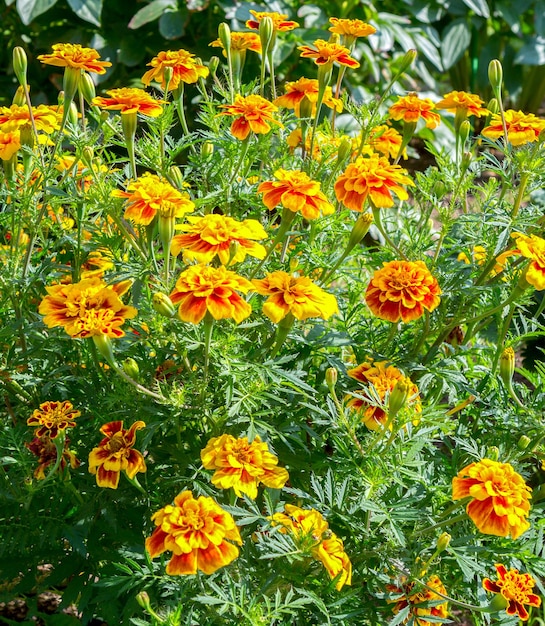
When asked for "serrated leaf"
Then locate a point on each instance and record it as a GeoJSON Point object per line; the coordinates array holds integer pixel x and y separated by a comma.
{"type": "Point", "coordinates": [150, 12]}
{"type": "Point", "coordinates": [172, 24]}
{"type": "Point", "coordinates": [479, 6]}
{"type": "Point", "coordinates": [30, 9]}
{"type": "Point", "coordinates": [88, 10]}
{"type": "Point", "coordinates": [456, 40]}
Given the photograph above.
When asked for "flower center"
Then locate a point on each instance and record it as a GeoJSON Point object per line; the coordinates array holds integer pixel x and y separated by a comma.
{"type": "Point", "coordinates": [116, 443]}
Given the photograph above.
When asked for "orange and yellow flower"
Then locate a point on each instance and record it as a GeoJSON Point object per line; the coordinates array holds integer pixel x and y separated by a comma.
{"type": "Point", "coordinates": [296, 191]}
{"type": "Point", "coordinates": [312, 535]}
{"type": "Point", "coordinates": [383, 377]}
{"type": "Point", "coordinates": [53, 418]}
{"type": "Point", "coordinates": [215, 235]}
{"type": "Point", "coordinates": [422, 601]}
{"type": "Point", "coordinates": [201, 288]}
{"type": "Point", "coordinates": [480, 256]}
{"type": "Point", "coordinates": [296, 295]}
{"type": "Point", "coordinates": [240, 42]}
{"type": "Point", "coordinates": [297, 91]}
{"type": "Point", "coordinates": [74, 56]}
{"type": "Point", "coordinates": [521, 127]}
{"type": "Point", "coordinates": [532, 247]}
{"type": "Point", "coordinates": [129, 100]}
{"type": "Point", "coordinates": [45, 449]}
{"type": "Point", "coordinates": [242, 465]}
{"type": "Point", "coordinates": [198, 532]}
{"type": "Point", "coordinates": [87, 308]}
{"type": "Point", "coordinates": [411, 108]}
{"type": "Point", "coordinates": [10, 144]}
{"type": "Point", "coordinates": [351, 28]}
{"type": "Point", "coordinates": [252, 114]}
{"type": "Point", "coordinates": [280, 23]}
{"type": "Point", "coordinates": [184, 65]}
{"type": "Point", "coordinates": [456, 101]}
{"type": "Point", "coordinates": [387, 141]}
{"type": "Point", "coordinates": [46, 118]}
{"type": "Point", "coordinates": [327, 53]}
{"type": "Point", "coordinates": [515, 590]}
{"type": "Point", "coordinates": [500, 499]}
{"type": "Point", "coordinates": [402, 290]}
{"type": "Point", "coordinates": [115, 454]}
{"type": "Point", "coordinates": [148, 196]}
{"type": "Point", "coordinates": [371, 176]}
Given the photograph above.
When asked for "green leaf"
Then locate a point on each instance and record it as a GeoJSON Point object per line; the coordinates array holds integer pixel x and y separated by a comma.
{"type": "Point", "coordinates": [456, 39]}
{"type": "Point", "coordinates": [172, 24]}
{"type": "Point", "coordinates": [30, 9]}
{"type": "Point", "coordinates": [150, 12]}
{"type": "Point", "coordinates": [88, 10]}
{"type": "Point", "coordinates": [532, 53]}
{"type": "Point", "coordinates": [479, 6]}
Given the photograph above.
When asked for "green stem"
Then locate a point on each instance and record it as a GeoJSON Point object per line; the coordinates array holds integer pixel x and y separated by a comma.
{"type": "Point", "coordinates": [378, 223]}
{"type": "Point", "coordinates": [208, 323]}
{"type": "Point", "coordinates": [522, 188]}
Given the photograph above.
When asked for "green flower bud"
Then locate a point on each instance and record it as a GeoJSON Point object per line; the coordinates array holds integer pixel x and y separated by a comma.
{"type": "Point", "coordinates": [163, 304]}
{"type": "Point", "coordinates": [344, 151]}
{"type": "Point", "coordinates": [213, 64]}
{"type": "Point", "coordinates": [143, 600]}
{"type": "Point", "coordinates": [493, 453]}
{"type": "Point", "coordinates": [398, 397]}
{"type": "Point", "coordinates": [87, 155]}
{"type": "Point", "coordinates": [443, 542]}
{"type": "Point", "coordinates": [207, 149]}
{"type": "Point", "coordinates": [224, 33]}
{"type": "Point", "coordinates": [20, 64]}
{"type": "Point", "coordinates": [523, 442]}
{"type": "Point", "coordinates": [493, 106]}
{"type": "Point", "coordinates": [495, 76]}
{"type": "Point", "coordinates": [87, 87]}
{"type": "Point", "coordinates": [331, 376]}
{"type": "Point", "coordinates": [266, 33]}
{"type": "Point", "coordinates": [176, 177]}
{"type": "Point", "coordinates": [360, 229]}
{"type": "Point", "coordinates": [507, 365]}
{"type": "Point", "coordinates": [26, 135]}
{"type": "Point", "coordinates": [408, 60]}
{"type": "Point", "coordinates": [130, 367]}
{"type": "Point", "coordinates": [19, 98]}
{"type": "Point", "coordinates": [465, 129]}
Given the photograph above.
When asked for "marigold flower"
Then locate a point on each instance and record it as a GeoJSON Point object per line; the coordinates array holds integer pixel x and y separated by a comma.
{"type": "Point", "coordinates": [96, 263]}
{"type": "Point", "coordinates": [311, 533]}
{"type": "Point", "coordinates": [52, 418]}
{"type": "Point", "coordinates": [78, 170]}
{"type": "Point", "coordinates": [149, 196]}
{"type": "Point", "coordinates": [184, 65]}
{"type": "Point", "coordinates": [480, 256]}
{"type": "Point", "coordinates": [387, 141]}
{"type": "Point", "coordinates": [402, 290]}
{"type": "Point", "coordinates": [500, 498]}
{"type": "Point", "coordinates": [129, 100]}
{"type": "Point", "coordinates": [521, 127]}
{"type": "Point", "coordinates": [46, 118]}
{"type": "Point", "coordinates": [411, 108]}
{"type": "Point", "coordinates": [46, 451]}
{"type": "Point", "coordinates": [242, 465]}
{"type": "Point", "coordinates": [296, 295]}
{"type": "Point", "coordinates": [296, 191]}
{"type": "Point", "coordinates": [297, 91]}
{"type": "Point", "coordinates": [198, 532]}
{"type": "Point", "coordinates": [419, 599]}
{"type": "Point", "coordinates": [75, 56]}
{"type": "Point", "coordinates": [373, 177]}
{"type": "Point", "coordinates": [295, 139]}
{"type": "Point", "coordinates": [351, 28]}
{"type": "Point", "coordinates": [205, 237]}
{"type": "Point", "coordinates": [201, 288]}
{"type": "Point", "coordinates": [383, 377]}
{"type": "Point", "coordinates": [469, 103]}
{"type": "Point", "coordinates": [10, 143]}
{"type": "Point", "coordinates": [240, 42]}
{"type": "Point", "coordinates": [253, 113]}
{"type": "Point", "coordinates": [87, 308]}
{"type": "Point", "coordinates": [327, 53]}
{"type": "Point", "coordinates": [115, 454]}
{"type": "Point", "coordinates": [515, 590]}
{"type": "Point", "coordinates": [278, 19]}
{"type": "Point", "coordinates": [532, 247]}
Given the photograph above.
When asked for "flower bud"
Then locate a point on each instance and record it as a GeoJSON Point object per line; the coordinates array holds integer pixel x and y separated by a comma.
{"type": "Point", "coordinates": [408, 60]}
{"type": "Point", "coordinates": [73, 114]}
{"type": "Point", "coordinates": [19, 97]}
{"type": "Point", "coordinates": [266, 33]}
{"type": "Point", "coordinates": [523, 442]}
{"type": "Point", "coordinates": [130, 367]}
{"type": "Point", "coordinates": [443, 542]}
{"type": "Point", "coordinates": [398, 397]}
{"type": "Point", "coordinates": [70, 83]}
{"type": "Point", "coordinates": [507, 365]}
{"type": "Point", "coordinates": [163, 304]}
{"type": "Point", "coordinates": [305, 108]}
{"type": "Point", "coordinates": [493, 106]}
{"type": "Point", "coordinates": [87, 87]}
{"type": "Point", "coordinates": [493, 453]}
{"type": "Point", "coordinates": [465, 129]}
{"type": "Point", "coordinates": [143, 600]}
{"type": "Point", "coordinates": [213, 64]}
{"type": "Point", "coordinates": [360, 229]}
{"type": "Point", "coordinates": [344, 151]}
{"type": "Point", "coordinates": [104, 345]}
{"type": "Point", "coordinates": [495, 76]}
{"type": "Point", "coordinates": [26, 135]}
{"type": "Point", "coordinates": [176, 176]}
{"type": "Point", "coordinates": [87, 155]}
{"type": "Point", "coordinates": [331, 376]}
{"type": "Point", "coordinates": [224, 33]}
{"type": "Point", "coordinates": [207, 149]}
{"type": "Point", "coordinates": [20, 64]}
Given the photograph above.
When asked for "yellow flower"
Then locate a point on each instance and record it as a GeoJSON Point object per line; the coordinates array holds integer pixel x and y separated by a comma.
{"type": "Point", "coordinates": [296, 192]}
{"type": "Point", "coordinates": [129, 100]}
{"type": "Point", "coordinates": [201, 288]}
{"type": "Point", "coordinates": [500, 499]}
{"type": "Point", "coordinates": [532, 247]}
{"type": "Point", "coordinates": [351, 28]}
{"type": "Point", "coordinates": [96, 263]}
{"type": "Point", "coordinates": [402, 290]}
{"type": "Point", "coordinates": [311, 534]}
{"type": "Point", "coordinates": [278, 19]}
{"type": "Point", "coordinates": [295, 139]}
{"type": "Point", "coordinates": [78, 170]}
{"type": "Point", "coordinates": [252, 113]}
{"type": "Point", "coordinates": [198, 532]}
{"type": "Point", "coordinates": [115, 454]}
{"type": "Point", "coordinates": [46, 451]}
{"type": "Point", "coordinates": [211, 235]}
{"type": "Point", "coordinates": [10, 143]}
{"type": "Point", "coordinates": [240, 42]}
{"type": "Point", "coordinates": [371, 177]}
{"type": "Point", "coordinates": [383, 377]}
{"type": "Point", "coordinates": [387, 141]}
{"type": "Point", "coordinates": [87, 308]}
{"type": "Point", "coordinates": [480, 256]}
{"type": "Point", "coordinates": [52, 418]}
{"type": "Point", "coordinates": [149, 196]}
{"type": "Point", "coordinates": [242, 465]}
{"type": "Point", "coordinates": [521, 127]}
{"type": "Point", "coordinates": [184, 65]}
{"type": "Point", "coordinates": [297, 91]}
{"type": "Point", "coordinates": [469, 103]}
{"type": "Point", "coordinates": [327, 53]}
{"type": "Point", "coordinates": [296, 295]}
{"type": "Point", "coordinates": [46, 118]}
{"type": "Point", "coordinates": [418, 599]}
{"type": "Point", "coordinates": [411, 108]}
{"type": "Point", "coordinates": [76, 57]}
{"type": "Point", "coordinates": [515, 590]}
